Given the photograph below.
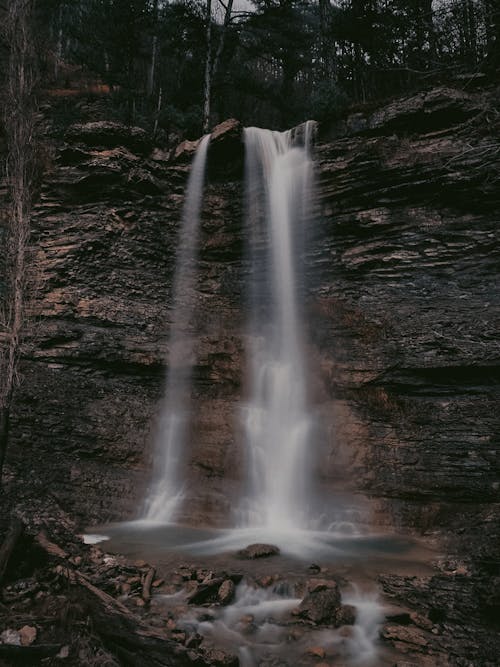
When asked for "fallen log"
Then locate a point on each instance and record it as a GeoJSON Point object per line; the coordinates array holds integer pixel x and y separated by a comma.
{"type": "Point", "coordinates": [136, 646]}
{"type": "Point", "coordinates": [50, 547]}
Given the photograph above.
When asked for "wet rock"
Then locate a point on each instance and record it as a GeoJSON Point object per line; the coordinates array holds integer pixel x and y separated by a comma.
{"type": "Point", "coordinates": [405, 636]}
{"type": "Point", "coordinates": [322, 604]}
{"type": "Point", "coordinates": [258, 550]}
{"type": "Point", "coordinates": [346, 615]}
{"type": "Point", "coordinates": [316, 651]}
{"type": "Point", "coordinates": [247, 625]}
{"type": "Point", "coordinates": [220, 658]}
{"type": "Point", "coordinates": [314, 585]}
{"type": "Point", "coordinates": [266, 581]}
{"type": "Point", "coordinates": [226, 592]}
{"type": "Point", "coordinates": [206, 592]}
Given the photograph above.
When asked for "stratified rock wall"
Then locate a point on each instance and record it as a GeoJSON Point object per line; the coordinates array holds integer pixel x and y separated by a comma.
{"type": "Point", "coordinates": [403, 303]}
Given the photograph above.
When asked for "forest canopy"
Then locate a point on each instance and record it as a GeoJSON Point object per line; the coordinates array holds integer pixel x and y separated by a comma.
{"type": "Point", "coordinates": [174, 66]}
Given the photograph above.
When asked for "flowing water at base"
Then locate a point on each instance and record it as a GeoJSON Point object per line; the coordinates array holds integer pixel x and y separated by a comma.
{"type": "Point", "coordinates": [261, 623]}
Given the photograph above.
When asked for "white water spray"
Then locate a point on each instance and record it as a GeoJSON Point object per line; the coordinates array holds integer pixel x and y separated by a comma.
{"type": "Point", "coordinates": [166, 491]}
{"type": "Point", "coordinates": [277, 421]}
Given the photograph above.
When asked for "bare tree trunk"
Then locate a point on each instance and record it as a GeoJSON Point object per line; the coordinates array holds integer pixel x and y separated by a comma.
{"type": "Point", "coordinates": [158, 110]}
{"type": "Point", "coordinates": [208, 70]}
{"type": "Point", "coordinates": [154, 52]}
{"type": "Point", "coordinates": [19, 125]}
{"type": "Point", "coordinates": [326, 45]}
{"type": "Point", "coordinates": [59, 48]}
{"type": "Point", "coordinates": [222, 40]}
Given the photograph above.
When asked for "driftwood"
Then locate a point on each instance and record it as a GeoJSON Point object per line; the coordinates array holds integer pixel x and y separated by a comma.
{"type": "Point", "coordinates": [14, 532]}
{"type": "Point", "coordinates": [50, 547]}
{"type": "Point", "coordinates": [146, 586]}
{"type": "Point", "coordinates": [118, 628]}
{"type": "Point", "coordinates": [76, 577]}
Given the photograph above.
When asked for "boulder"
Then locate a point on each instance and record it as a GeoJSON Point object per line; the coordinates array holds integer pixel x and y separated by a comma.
{"type": "Point", "coordinates": [258, 551]}
{"type": "Point", "coordinates": [322, 604]}
{"type": "Point", "coordinates": [185, 151]}
{"type": "Point", "coordinates": [226, 592]}
{"type": "Point", "coordinates": [226, 150]}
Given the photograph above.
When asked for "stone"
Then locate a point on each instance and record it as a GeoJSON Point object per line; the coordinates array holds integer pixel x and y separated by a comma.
{"type": "Point", "coordinates": [185, 151]}
{"type": "Point", "coordinates": [63, 653]}
{"type": "Point", "coordinates": [226, 592]}
{"type": "Point", "coordinates": [322, 605]}
{"type": "Point", "coordinates": [314, 585]}
{"type": "Point", "coordinates": [27, 635]}
{"type": "Point", "coordinates": [346, 615]}
{"type": "Point", "coordinates": [11, 637]}
{"type": "Point", "coordinates": [258, 550]}
{"type": "Point", "coordinates": [220, 658]}
{"type": "Point", "coordinates": [316, 651]}
{"type": "Point", "coordinates": [266, 581]}
{"type": "Point", "coordinates": [194, 641]}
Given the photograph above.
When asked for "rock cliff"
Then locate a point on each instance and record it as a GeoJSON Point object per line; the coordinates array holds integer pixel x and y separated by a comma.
{"type": "Point", "coordinates": [403, 303]}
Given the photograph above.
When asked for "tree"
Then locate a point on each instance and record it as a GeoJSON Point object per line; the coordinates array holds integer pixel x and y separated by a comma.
{"type": "Point", "coordinates": [208, 70]}
{"type": "Point", "coordinates": [19, 115]}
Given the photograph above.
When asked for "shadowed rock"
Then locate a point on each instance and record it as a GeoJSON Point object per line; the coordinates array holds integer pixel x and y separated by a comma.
{"type": "Point", "coordinates": [258, 551]}
{"type": "Point", "coordinates": [107, 134]}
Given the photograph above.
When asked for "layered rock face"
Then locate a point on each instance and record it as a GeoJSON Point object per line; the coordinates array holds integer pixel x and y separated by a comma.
{"type": "Point", "coordinates": [402, 302]}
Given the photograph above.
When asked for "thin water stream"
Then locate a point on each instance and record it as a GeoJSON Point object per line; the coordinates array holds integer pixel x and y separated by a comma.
{"type": "Point", "coordinates": [167, 489]}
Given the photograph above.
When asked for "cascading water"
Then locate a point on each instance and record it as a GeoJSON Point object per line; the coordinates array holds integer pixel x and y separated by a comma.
{"type": "Point", "coordinates": [166, 491]}
{"type": "Point", "coordinates": [277, 422]}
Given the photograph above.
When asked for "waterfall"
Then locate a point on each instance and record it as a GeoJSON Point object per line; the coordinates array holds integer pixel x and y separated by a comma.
{"type": "Point", "coordinates": [277, 422]}
{"type": "Point", "coordinates": [166, 491]}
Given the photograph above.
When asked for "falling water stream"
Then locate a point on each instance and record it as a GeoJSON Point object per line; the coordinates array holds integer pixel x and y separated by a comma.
{"type": "Point", "coordinates": [166, 492]}
{"type": "Point", "coordinates": [277, 420]}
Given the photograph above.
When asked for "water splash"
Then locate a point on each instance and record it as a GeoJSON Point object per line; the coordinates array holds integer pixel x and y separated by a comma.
{"type": "Point", "coordinates": [277, 420]}
{"type": "Point", "coordinates": [166, 492]}
{"type": "Point", "coordinates": [259, 621]}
